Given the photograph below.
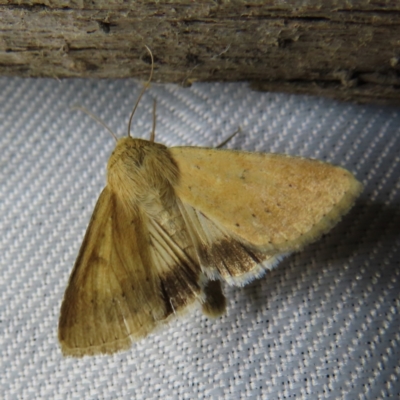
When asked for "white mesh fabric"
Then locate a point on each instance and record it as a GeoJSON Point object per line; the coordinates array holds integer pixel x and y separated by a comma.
{"type": "Point", "coordinates": [324, 324]}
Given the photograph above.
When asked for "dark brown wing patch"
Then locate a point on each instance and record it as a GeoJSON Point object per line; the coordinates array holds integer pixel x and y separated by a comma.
{"type": "Point", "coordinates": [224, 256]}
{"type": "Point", "coordinates": [174, 259]}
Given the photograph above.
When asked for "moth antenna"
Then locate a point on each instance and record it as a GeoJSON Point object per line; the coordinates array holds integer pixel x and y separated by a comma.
{"type": "Point", "coordinates": [146, 85]}
{"type": "Point", "coordinates": [223, 143]}
{"type": "Point", "coordinates": [97, 119]}
{"type": "Point", "coordinates": [153, 130]}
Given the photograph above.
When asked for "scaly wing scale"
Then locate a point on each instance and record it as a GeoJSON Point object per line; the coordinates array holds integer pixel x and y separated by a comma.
{"type": "Point", "coordinates": [94, 313]}
{"type": "Point", "coordinates": [117, 292]}
{"type": "Point", "coordinates": [130, 275]}
{"type": "Point", "coordinates": [274, 203]}
{"type": "Point", "coordinates": [247, 211]}
{"type": "Point", "coordinates": [222, 255]}
{"type": "Point", "coordinates": [175, 260]}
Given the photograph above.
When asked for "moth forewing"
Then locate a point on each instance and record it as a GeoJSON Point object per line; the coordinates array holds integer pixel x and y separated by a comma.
{"type": "Point", "coordinates": [137, 266]}
{"type": "Point", "coordinates": [274, 203]}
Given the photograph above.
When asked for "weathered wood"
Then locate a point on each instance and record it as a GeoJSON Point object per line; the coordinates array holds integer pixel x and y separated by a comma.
{"type": "Point", "coordinates": [344, 49]}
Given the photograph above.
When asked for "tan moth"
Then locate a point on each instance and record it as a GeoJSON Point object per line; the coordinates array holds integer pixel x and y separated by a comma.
{"type": "Point", "coordinates": [172, 223]}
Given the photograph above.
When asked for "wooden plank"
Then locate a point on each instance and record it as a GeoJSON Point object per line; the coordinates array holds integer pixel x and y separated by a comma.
{"type": "Point", "coordinates": [343, 49]}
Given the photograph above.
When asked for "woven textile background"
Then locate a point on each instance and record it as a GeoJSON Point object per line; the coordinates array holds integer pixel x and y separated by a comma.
{"type": "Point", "coordinates": [323, 325]}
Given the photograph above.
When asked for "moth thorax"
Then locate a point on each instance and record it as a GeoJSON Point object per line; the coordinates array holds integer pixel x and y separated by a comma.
{"type": "Point", "coordinates": [140, 169]}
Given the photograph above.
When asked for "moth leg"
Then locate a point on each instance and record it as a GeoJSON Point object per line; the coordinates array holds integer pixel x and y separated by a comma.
{"type": "Point", "coordinates": [215, 302]}
{"type": "Point", "coordinates": [225, 141]}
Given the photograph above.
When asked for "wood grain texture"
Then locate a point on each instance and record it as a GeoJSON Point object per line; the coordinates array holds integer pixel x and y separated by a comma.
{"type": "Point", "coordinates": [343, 49]}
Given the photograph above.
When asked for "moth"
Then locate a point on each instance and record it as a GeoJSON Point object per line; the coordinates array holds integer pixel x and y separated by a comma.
{"type": "Point", "coordinates": [172, 223]}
